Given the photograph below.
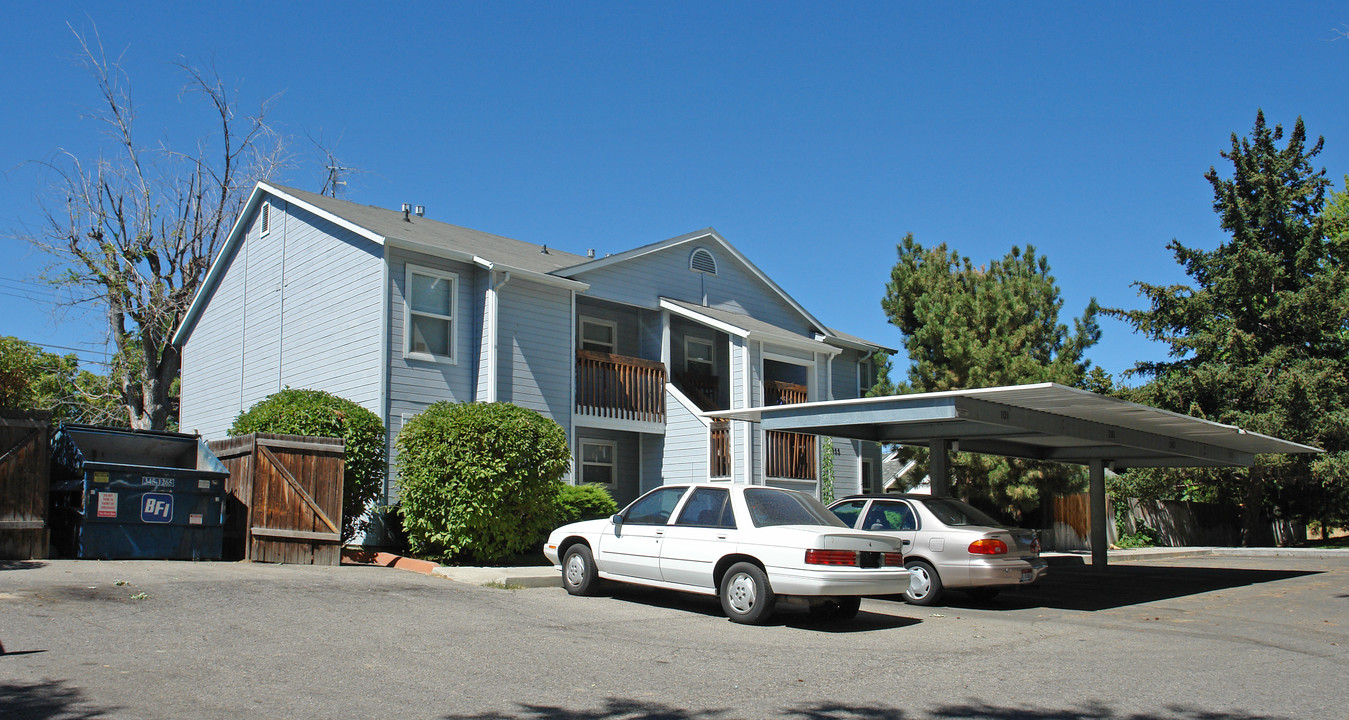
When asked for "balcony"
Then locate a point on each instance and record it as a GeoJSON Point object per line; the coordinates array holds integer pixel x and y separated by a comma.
{"type": "Point", "coordinates": [719, 461]}
{"type": "Point", "coordinates": [790, 455]}
{"type": "Point", "coordinates": [620, 388]}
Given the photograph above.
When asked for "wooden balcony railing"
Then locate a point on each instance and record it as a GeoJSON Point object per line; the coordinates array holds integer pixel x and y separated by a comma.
{"type": "Point", "coordinates": [619, 387]}
{"type": "Point", "coordinates": [790, 455]}
{"type": "Point", "coordinates": [720, 458]}
{"type": "Point", "coordinates": [776, 392]}
{"type": "Point", "coordinates": [701, 389]}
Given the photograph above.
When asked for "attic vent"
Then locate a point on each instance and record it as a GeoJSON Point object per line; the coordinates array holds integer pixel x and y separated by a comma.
{"type": "Point", "coordinates": [266, 218]}
{"type": "Point", "coordinates": [702, 261]}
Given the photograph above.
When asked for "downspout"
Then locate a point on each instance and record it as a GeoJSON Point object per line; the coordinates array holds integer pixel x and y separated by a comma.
{"type": "Point", "coordinates": [493, 287]}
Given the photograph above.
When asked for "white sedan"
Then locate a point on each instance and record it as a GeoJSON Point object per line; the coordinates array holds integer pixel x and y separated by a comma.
{"type": "Point", "coordinates": [752, 546]}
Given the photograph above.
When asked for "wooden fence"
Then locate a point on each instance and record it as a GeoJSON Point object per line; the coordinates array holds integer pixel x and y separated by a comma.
{"type": "Point", "coordinates": [25, 477]}
{"type": "Point", "coordinates": [285, 498]}
{"type": "Point", "coordinates": [620, 387]}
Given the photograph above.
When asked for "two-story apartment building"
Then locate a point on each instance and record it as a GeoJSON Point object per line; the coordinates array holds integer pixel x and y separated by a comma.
{"type": "Point", "coordinates": [627, 352]}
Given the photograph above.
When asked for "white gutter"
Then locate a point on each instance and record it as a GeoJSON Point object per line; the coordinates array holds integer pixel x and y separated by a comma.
{"type": "Point", "coordinates": [493, 288]}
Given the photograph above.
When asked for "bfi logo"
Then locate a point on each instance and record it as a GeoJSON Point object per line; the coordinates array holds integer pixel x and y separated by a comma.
{"type": "Point", "coordinates": [157, 508]}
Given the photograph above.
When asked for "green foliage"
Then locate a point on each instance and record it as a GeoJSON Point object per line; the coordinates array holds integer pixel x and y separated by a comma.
{"type": "Point", "coordinates": [827, 470]}
{"type": "Point", "coordinates": [1261, 338]}
{"type": "Point", "coordinates": [314, 412]}
{"type": "Point", "coordinates": [988, 326]}
{"type": "Point", "coordinates": [479, 481]}
{"type": "Point", "coordinates": [33, 379]}
{"type": "Point", "coordinates": [583, 502]}
{"type": "Point", "coordinates": [1144, 536]}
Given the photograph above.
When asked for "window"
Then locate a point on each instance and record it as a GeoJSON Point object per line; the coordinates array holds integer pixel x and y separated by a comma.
{"type": "Point", "coordinates": [654, 508]}
{"type": "Point", "coordinates": [266, 217]}
{"type": "Point", "coordinates": [698, 357]}
{"type": "Point", "coordinates": [866, 377]}
{"type": "Point", "coordinates": [769, 506]}
{"type": "Point", "coordinates": [597, 462]}
{"type": "Point", "coordinates": [430, 304]}
{"type": "Point", "coordinates": [889, 516]}
{"type": "Point", "coordinates": [708, 507]}
{"type": "Point", "coordinates": [868, 482]}
{"type": "Point", "coordinates": [598, 335]}
{"type": "Point", "coordinates": [848, 511]}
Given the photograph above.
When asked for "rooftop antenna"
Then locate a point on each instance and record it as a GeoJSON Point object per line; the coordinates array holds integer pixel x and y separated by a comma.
{"type": "Point", "coordinates": [335, 179]}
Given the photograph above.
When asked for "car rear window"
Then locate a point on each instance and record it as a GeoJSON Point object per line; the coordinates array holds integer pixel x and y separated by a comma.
{"type": "Point", "coordinates": [768, 506]}
{"type": "Point", "coordinates": [955, 513]}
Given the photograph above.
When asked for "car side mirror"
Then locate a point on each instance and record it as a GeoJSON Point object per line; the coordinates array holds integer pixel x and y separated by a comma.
{"type": "Point", "coordinates": [616, 518]}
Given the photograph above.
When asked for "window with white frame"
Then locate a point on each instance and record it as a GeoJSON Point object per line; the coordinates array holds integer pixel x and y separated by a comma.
{"type": "Point", "coordinates": [698, 356]}
{"type": "Point", "coordinates": [598, 462]}
{"type": "Point", "coordinates": [866, 376]}
{"type": "Point", "coordinates": [430, 303]}
{"type": "Point", "coordinates": [599, 335]}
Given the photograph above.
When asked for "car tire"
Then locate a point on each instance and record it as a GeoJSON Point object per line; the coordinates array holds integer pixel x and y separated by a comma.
{"type": "Point", "coordinates": [579, 576]}
{"type": "Point", "coordinates": [925, 586]}
{"type": "Point", "coordinates": [983, 594]}
{"type": "Point", "coordinates": [746, 596]}
{"type": "Point", "coordinates": [836, 609]}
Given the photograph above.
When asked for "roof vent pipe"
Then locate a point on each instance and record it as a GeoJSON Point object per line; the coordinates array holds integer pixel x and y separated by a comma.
{"type": "Point", "coordinates": [420, 211]}
{"type": "Point", "coordinates": [590, 253]}
{"type": "Point", "coordinates": [407, 208]}
{"type": "Point", "coordinates": [543, 249]}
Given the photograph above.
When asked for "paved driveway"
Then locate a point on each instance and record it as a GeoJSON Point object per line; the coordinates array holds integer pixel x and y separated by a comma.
{"type": "Point", "coordinates": [1208, 638]}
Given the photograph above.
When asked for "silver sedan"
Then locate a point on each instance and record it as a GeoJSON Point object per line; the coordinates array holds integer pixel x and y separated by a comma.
{"type": "Point", "coordinates": [947, 544]}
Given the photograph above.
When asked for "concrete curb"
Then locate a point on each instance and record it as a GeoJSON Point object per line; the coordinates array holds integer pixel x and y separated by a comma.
{"type": "Point", "coordinates": [510, 577]}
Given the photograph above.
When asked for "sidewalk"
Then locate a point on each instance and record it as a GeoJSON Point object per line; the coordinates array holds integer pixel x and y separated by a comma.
{"type": "Point", "coordinates": [1078, 557]}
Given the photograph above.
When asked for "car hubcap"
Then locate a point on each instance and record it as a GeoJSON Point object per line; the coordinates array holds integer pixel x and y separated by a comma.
{"type": "Point", "coordinates": [919, 582]}
{"type": "Point", "coordinates": [576, 570]}
{"type": "Point", "coordinates": [743, 593]}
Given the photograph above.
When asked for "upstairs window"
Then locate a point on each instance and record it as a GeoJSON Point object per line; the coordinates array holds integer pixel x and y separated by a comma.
{"type": "Point", "coordinates": [866, 376]}
{"type": "Point", "coordinates": [430, 304]}
{"type": "Point", "coordinates": [599, 335]}
{"type": "Point", "coordinates": [698, 359]}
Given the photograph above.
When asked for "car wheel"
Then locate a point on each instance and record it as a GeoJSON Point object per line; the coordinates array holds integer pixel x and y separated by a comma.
{"type": "Point", "coordinates": [578, 571]}
{"type": "Point", "coordinates": [745, 594]}
{"type": "Point", "coordinates": [924, 584]}
{"type": "Point", "coordinates": [836, 609]}
{"type": "Point", "coordinates": [983, 594]}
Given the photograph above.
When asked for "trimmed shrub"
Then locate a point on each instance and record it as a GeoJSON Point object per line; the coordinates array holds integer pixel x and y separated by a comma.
{"type": "Point", "coordinates": [321, 414]}
{"type": "Point", "coordinates": [583, 502]}
{"type": "Point", "coordinates": [479, 481]}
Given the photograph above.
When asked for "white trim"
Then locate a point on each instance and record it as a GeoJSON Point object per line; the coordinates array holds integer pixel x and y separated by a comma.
{"type": "Point", "coordinates": [571, 389]}
{"type": "Point", "coordinates": [534, 275]}
{"type": "Point", "coordinates": [613, 332]}
{"type": "Point", "coordinates": [408, 270]}
{"type": "Point", "coordinates": [705, 320]}
{"type": "Point", "coordinates": [619, 424]}
{"type": "Point", "coordinates": [694, 253]}
{"type": "Point", "coordinates": [612, 465]}
{"type": "Point", "coordinates": [810, 365]}
{"type": "Point", "coordinates": [688, 404]}
{"type": "Point", "coordinates": [336, 220]}
{"type": "Point", "coordinates": [747, 430]}
{"type": "Point", "coordinates": [385, 351]}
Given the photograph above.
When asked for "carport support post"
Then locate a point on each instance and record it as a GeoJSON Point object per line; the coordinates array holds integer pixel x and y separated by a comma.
{"type": "Point", "coordinates": [1098, 518]}
{"type": "Point", "coordinates": [939, 467]}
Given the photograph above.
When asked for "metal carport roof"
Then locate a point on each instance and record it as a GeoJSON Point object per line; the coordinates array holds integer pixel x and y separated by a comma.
{"type": "Point", "coordinates": [1046, 421]}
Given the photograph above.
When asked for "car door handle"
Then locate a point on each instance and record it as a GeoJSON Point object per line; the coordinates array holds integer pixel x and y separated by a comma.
{"type": "Point", "coordinates": [721, 537]}
{"type": "Point", "coordinates": [906, 542]}
{"type": "Point", "coordinates": [660, 532]}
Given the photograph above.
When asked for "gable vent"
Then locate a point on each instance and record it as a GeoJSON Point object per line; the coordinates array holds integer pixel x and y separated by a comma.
{"type": "Point", "coordinates": [702, 261]}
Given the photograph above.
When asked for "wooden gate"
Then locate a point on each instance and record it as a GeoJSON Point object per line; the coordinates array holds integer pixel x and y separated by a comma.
{"type": "Point", "coordinates": [285, 498]}
{"type": "Point", "coordinates": [25, 477]}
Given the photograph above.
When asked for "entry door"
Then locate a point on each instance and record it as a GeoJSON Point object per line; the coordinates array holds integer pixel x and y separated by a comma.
{"type": "Point", "coordinates": [632, 548]}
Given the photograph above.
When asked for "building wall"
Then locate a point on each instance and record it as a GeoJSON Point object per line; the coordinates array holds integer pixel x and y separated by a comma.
{"type": "Point", "coordinates": [627, 461]}
{"type": "Point", "coordinates": [686, 444]}
{"type": "Point", "coordinates": [299, 307]}
{"type": "Point", "coordinates": [534, 347]}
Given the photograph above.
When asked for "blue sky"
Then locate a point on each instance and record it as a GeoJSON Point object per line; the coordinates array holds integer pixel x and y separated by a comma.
{"type": "Point", "coordinates": [813, 136]}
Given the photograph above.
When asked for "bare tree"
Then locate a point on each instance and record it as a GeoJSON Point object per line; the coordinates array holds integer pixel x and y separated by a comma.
{"type": "Point", "coordinates": [136, 228]}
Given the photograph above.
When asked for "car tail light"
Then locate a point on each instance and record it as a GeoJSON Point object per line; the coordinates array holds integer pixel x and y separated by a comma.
{"type": "Point", "coordinates": [988, 546]}
{"type": "Point", "coordinates": [831, 557]}
{"type": "Point", "coordinates": [892, 559]}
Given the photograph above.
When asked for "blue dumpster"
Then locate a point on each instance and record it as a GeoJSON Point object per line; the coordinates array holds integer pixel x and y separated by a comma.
{"type": "Point", "coordinates": [134, 494]}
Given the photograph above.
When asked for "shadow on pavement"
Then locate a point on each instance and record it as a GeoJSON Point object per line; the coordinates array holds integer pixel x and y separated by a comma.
{"type": "Point", "coordinates": [1083, 588]}
{"type": "Point", "coordinates": [641, 710]}
{"type": "Point", "coordinates": [787, 616]}
{"type": "Point", "coordinates": [45, 700]}
{"type": "Point", "coordinates": [21, 564]}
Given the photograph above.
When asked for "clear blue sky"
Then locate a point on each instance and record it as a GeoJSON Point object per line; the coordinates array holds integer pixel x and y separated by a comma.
{"type": "Point", "coordinates": [812, 136]}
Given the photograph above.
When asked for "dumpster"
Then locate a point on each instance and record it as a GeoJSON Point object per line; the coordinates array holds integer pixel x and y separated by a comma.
{"type": "Point", "coordinates": [135, 494]}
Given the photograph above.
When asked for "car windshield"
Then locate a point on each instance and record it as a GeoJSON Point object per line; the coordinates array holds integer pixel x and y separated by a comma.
{"type": "Point", "coordinates": [955, 513]}
{"type": "Point", "coordinates": [768, 506]}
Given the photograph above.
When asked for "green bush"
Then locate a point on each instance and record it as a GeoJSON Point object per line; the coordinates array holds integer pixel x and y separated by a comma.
{"type": "Point", "coordinates": [583, 502]}
{"type": "Point", "coordinates": [479, 481]}
{"type": "Point", "coordinates": [314, 412]}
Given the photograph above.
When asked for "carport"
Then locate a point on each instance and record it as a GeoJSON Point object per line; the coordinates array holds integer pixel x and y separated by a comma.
{"type": "Point", "coordinates": [1045, 421]}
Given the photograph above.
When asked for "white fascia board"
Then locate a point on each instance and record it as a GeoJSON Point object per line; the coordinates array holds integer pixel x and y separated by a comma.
{"type": "Point", "coordinates": [799, 343]}
{"type": "Point", "coordinates": [432, 250]}
{"type": "Point", "coordinates": [705, 320]}
{"type": "Point", "coordinates": [532, 275]}
{"type": "Point", "coordinates": [849, 344]}
{"type": "Point", "coordinates": [334, 219]}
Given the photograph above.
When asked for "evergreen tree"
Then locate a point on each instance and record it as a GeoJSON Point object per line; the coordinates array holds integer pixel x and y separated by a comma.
{"type": "Point", "coordinates": [1261, 338]}
{"type": "Point", "coordinates": [969, 327]}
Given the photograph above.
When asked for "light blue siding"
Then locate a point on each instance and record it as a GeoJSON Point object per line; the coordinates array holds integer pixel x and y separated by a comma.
{"type": "Point", "coordinates": [534, 347]}
{"type": "Point", "coordinates": [299, 307]}
{"type": "Point", "coordinates": [627, 321]}
{"type": "Point", "coordinates": [686, 448]}
{"type": "Point", "coordinates": [665, 273]}
{"type": "Point", "coordinates": [416, 384]}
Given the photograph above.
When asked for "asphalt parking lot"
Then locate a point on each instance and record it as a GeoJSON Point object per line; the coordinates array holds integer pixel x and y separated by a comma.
{"type": "Point", "coordinates": [1211, 638]}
